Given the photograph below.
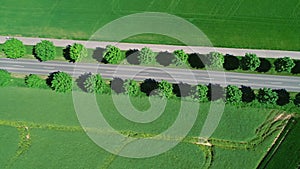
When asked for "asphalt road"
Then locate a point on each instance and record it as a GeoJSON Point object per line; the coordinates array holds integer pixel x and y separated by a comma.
{"type": "Point", "coordinates": [158, 48]}
{"type": "Point", "coordinates": [28, 66]}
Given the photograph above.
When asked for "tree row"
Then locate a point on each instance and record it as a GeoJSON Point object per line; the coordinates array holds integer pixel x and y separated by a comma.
{"type": "Point", "coordinates": [45, 50]}
{"type": "Point", "coordinates": [94, 83]}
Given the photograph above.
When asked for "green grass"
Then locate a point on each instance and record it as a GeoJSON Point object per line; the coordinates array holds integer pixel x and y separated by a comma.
{"type": "Point", "coordinates": [235, 23]}
{"type": "Point", "coordinates": [9, 142]}
{"type": "Point", "coordinates": [283, 156]}
{"type": "Point", "coordinates": [240, 158]}
{"type": "Point", "coordinates": [60, 149]}
{"type": "Point", "coordinates": [46, 106]}
{"type": "Point", "coordinates": [57, 140]}
{"type": "Point", "coordinates": [184, 155]}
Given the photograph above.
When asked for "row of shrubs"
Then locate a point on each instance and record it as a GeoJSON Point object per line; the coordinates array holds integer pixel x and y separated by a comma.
{"type": "Point", "coordinates": [94, 83]}
{"type": "Point", "coordinates": [45, 50]}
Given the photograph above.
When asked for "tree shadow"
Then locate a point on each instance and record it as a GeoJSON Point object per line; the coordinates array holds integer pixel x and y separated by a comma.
{"type": "Point", "coordinates": [297, 100]}
{"type": "Point", "coordinates": [98, 55]}
{"type": "Point", "coordinates": [248, 94]}
{"type": "Point", "coordinates": [132, 56]}
{"type": "Point", "coordinates": [265, 65]}
{"type": "Point", "coordinates": [50, 78]}
{"type": "Point", "coordinates": [283, 97]}
{"type": "Point", "coordinates": [165, 58]}
{"type": "Point", "coordinates": [296, 68]}
{"type": "Point", "coordinates": [215, 92]}
{"type": "Point", "coordinates": [231, 62]}
{"type": "Point", "coordinates": [81, 79]}
{"type": "Point", "coordinates": [182, 89]}
{"type": "Point", "coordinates": [117, 85]}
{"type": "Point", "coordinates": [35, 55]}
{"type": "Point", "coordinates": [149, 87]}
{"type": "Point", "coordinates": [196, 60]}
{"type": "Point", "coordinates": [66, 53]}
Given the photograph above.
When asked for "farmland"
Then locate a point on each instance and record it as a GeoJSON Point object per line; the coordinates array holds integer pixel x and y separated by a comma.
{"type": "Point", "coordinates": [57, 140]}
{"type": "Point", "coordinates": [266, 24]}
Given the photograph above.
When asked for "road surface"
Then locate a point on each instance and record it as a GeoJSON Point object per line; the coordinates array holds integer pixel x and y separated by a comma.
{"type": "Point", "coordinates": [28, 66]}
{"type": "Point", "coordinates": [158, 48]}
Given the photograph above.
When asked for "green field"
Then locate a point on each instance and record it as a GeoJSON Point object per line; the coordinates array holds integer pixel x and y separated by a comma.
{"type": "Point", "coordinates": [235, 23]}
{"type": "Point", "coordinates": [57, 140]}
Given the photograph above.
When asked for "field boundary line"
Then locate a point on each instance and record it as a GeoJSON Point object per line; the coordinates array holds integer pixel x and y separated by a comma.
{"type": "Point", "coordinates": [23, 145]}
{"type": "Point", "coordinates": [108, 161]}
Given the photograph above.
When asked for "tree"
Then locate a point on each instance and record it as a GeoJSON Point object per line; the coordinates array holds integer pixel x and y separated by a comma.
{"type": "Point", "coordinates": [266, 95]}
{"type": "Point", "coordinates": [34, 81]}
{"type": "Point", "coordinates": [201, 92]}
{"type": "Point", "coordinates": [45, 50]}
{"type": "Point", "coordinates": [297, 100]}
{"type": "Point", "coordinates": [61, 82]}
{"type": "Point", "coordinates": [4, 78]}
{"type": "Point", "coordinates": [250, 62]}
{"type": "Point", "coordinates": [233, 94]}
{"type": "Point", "coordinates": [165, 89]}
{"type": "Point", "coordinates": [14, 48]}
{"type": "Point", "coordinates": [146, 56]}
{"type": "Point", "coordinates": [216, 60]}
{"type": "Point", "coordinates": [95, 84]}
{"type": "Point", "coordinates": [131, 87]}
{"type": "Point", "coordinates": [77, 52]}
{"type": "Point", "coordinates": [181, 58]}
{"type": "Point", "coordinates": [113, 55]}
{"type": "Point", "coordinates": [285, 64]}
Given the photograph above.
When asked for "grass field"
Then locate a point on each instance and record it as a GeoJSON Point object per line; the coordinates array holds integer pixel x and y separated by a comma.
{"type": "Point", "coordinates": [234, 23]}
{"type": "Point", "coordinates": [283, 157]}
{"type": "Point", "coordinates": [57, 140]}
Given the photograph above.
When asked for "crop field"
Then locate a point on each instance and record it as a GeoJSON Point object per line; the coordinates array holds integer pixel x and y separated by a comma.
{"type": "Point", "coordinates": [234, 23]}
{"type": "Point", "coordinates": [41, 130]}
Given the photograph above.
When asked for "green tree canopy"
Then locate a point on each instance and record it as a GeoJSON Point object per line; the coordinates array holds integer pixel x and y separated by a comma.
{"type": "Point", "coordinates": [146, 56]}
{"type": "Point", "coordinates": [113, 55]}
{"type": "Point", "coordinates": [216, 60]}
{"type": "Point", "coordinates": [165, 89]}
{"type": "Point", "coordinates": [132, 88]}
{"type": "Point", "coordinates": [96, 84]}
{"type": "Point", "coordinates": [201, 93]}
{"type": "Point", "coordinates": [181, 58]}
{"type": "Point", "coordinates": [61, 82]}
{"type": "Point", "coordinates": [45, 50]}
{"type": "Point", "coordinates": [233, 94]}
{"type": "Point", "coordinates": [4, 78]}
{"type": "Point", "coordinates": [250, 62]}
{"type": "Point", "coordinates": [266, 95]}
{"type": "Point", "coordinates": [14, 48]}
{"type": "Point", "coordinates": [77, 52]}
{"type": "Point", "coordinates": [285, 64]}
{"type": "Point", "coordinates": [34, 81]}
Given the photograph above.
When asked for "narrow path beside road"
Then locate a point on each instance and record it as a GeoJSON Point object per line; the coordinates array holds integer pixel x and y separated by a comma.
{"type": "Point", "coordinates": [159, 48]}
